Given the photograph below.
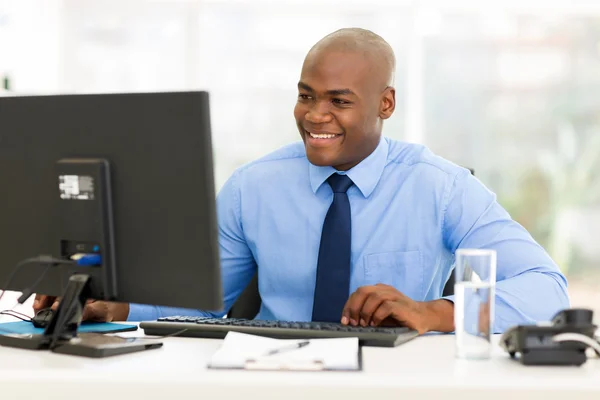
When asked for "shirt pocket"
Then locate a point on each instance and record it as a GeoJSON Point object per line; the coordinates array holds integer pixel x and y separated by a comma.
{"type": "Point", "coordinates": [401, 269]}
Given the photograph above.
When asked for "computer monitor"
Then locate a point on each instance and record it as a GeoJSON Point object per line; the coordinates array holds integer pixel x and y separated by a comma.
{"type": "Point", "coordinates": [125, 177]}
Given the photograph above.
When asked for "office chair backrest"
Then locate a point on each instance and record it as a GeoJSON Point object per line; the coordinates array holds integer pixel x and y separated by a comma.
{"type": "Point", "coordinates": [248, 304]}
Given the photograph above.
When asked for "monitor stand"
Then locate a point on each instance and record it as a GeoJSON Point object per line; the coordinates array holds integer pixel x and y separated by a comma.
{"type": "Point", "coordinates": [61, 335]}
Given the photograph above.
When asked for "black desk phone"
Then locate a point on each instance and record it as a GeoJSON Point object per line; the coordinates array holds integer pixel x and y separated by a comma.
{"type": "Point", "coordinates": [563, 341]}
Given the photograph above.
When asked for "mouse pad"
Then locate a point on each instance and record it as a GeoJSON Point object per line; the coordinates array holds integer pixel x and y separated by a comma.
{"type": "Point", "coordinates": [85, 327]}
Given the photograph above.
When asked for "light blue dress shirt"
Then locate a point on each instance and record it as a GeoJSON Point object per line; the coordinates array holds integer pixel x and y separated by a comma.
{"type": "Point", "coordinates": [410, 211]}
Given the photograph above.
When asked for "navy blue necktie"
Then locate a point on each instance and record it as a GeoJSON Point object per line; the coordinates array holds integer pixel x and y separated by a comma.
{"type": "Point", "coordinates": [333, 268]}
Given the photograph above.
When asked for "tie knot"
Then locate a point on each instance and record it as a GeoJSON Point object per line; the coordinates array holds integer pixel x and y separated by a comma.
{"type": "Point", "coordinates": [339, 183]}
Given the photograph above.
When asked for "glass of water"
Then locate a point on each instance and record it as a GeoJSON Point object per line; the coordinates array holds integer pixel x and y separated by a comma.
{"type": "Point", "coordinates": [474, 292]}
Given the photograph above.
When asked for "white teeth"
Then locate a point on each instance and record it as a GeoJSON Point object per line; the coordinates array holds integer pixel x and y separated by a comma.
{"type": "Point", "coordinates": [323, 136]}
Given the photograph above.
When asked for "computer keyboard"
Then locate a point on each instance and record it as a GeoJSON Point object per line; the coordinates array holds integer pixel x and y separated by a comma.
{"type": "Point", "coordinates": [218, 328]}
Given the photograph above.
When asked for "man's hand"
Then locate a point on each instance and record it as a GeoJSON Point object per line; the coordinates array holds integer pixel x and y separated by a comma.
{"type": "Point", "coordinates": [383, 305]}
{"type": "Point", "coordinates": [43, 301]}
{"type": "Point", "coordinates": [100, 311]}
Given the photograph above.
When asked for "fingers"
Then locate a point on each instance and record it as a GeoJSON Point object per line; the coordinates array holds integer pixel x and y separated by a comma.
{"type": "Point", "coordinates": [93, 311]}
{"type": "Point", "coordinates": [38, 301]}
{"type": "Point", "coordinates": [375, 301]}
{"type": "Point", "coordinates": [371, 304]}
{"type": "Point", "coordinates": [383, 312]}
{"type": "Point", "coordinates": [362, 303]}
{"type": "Point", "coordinates": [56, 303]}
{"type": "Point", "coordinates": [351, 311]}
{"type": "Point", "coordinates": [42, 301]}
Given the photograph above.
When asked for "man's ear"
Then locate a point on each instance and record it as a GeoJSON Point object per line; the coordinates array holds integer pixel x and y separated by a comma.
{"type": "Point", "coordinates": [388, 103]}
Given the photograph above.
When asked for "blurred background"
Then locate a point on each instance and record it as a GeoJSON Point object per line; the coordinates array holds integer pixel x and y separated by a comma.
{"type": "Point", "coordinates": [508, 88]}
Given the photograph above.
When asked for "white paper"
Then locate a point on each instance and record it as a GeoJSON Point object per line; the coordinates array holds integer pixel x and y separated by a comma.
{"type": "Point", "coordinates": [240, 349]}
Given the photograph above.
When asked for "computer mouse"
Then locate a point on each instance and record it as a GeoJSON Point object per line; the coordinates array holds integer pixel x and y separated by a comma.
{"type": "Point", "coordinates": [42, 318]}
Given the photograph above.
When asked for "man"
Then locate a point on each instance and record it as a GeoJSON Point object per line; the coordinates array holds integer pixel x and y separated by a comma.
{"type": "Point", "coordinates": [352, 227]}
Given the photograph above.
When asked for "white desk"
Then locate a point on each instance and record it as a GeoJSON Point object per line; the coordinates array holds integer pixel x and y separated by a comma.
{"type": "Point", "coordinates": [424, 368]}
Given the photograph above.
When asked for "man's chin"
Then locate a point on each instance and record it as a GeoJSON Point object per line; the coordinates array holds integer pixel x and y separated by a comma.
{"type": "Point", "coordinates": [319, 159]}
{"type": "Point", "coordinates": [319, 163]}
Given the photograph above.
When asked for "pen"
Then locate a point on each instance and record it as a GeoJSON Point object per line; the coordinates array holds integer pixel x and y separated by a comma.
{"type": "Point", "coordinates": [282, 349]}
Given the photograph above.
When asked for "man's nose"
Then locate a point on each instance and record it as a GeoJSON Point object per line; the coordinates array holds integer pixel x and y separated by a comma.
{"type": "Point", "coordinates": [318, 114]}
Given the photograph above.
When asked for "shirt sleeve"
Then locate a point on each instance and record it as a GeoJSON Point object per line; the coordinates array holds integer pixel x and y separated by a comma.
{"type": "Point", "coordinates": [529, 285]}
{"type": "Point", "coordinates": [237, 262]}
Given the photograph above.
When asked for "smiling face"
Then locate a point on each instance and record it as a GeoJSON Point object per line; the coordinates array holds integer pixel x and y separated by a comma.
{"type": "Point", "coordinates": [342, 101]}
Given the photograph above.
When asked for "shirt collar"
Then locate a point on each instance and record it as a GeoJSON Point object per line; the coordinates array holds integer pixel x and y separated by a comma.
{"type": "Point", "coordinates": [365, 174]}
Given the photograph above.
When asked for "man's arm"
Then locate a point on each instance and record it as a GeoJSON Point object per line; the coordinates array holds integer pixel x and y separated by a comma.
{"type": "Point", "coordinates": [529, 288]}
{"type": "Point", "coordinates": [237, 263]}
{"type": "Point", "coordinates": [529, 285]}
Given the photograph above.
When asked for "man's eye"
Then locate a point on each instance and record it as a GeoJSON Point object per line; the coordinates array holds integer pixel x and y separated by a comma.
{"type": "Point", "coordinates": [304, 97]}
{"type": "Point", "coordinates": [341, 102]}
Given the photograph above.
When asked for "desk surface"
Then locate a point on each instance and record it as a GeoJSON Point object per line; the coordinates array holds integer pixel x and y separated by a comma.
{"type": "Point", "coordinates": [424, 367]}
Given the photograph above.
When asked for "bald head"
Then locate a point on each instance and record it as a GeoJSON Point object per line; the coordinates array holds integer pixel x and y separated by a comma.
{"type": "Point", "coordinates": [361, 41]}
{"type": "Point", "coordinates": [345, 93]}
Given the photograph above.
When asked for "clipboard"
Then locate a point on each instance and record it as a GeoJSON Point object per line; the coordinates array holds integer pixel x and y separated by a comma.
{"type": "Point", "coordinates": [256, 353]}
{"type": "Point", "coordinates": [315, 365]}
